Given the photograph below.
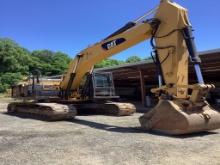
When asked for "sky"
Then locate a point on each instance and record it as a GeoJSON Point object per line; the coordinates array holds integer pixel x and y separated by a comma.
{"type": "Point", "coordinates": [71, 25]}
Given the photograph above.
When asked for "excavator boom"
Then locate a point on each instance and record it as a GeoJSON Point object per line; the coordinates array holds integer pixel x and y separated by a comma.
{"type": "Point", "coordinates": [126, 37]}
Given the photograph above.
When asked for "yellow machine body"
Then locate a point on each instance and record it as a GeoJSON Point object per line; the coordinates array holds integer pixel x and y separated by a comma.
{"type": "Point", "coordinates": [178, 110]}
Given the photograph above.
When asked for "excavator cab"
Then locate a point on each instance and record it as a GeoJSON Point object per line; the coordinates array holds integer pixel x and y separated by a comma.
{"type": "Point", "coordinates": [99, 86]}
{"type": "Point", "coordinates": [103, 86]}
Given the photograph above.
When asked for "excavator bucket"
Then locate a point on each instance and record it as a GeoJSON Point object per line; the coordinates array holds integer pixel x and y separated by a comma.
{"type": "Point", "coordinates": [170, 118]}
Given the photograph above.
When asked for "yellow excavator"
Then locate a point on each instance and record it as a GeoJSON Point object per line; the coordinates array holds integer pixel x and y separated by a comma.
{"type": "Point", "coordinates": [182, 108]}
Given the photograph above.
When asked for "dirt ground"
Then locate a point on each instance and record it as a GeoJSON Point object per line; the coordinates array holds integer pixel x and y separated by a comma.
{"type": "Point", "coordinates": [99, 140]}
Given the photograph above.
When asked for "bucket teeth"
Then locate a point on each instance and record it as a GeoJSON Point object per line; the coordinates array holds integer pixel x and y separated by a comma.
{"type": "Point", "coordinates": [170, 118]}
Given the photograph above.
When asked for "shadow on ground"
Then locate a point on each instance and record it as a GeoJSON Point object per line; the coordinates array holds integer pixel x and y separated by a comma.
{"type": "Point", "coordinates": [113, 128]}
{"type": "Point", "coordinates": [106, 127]}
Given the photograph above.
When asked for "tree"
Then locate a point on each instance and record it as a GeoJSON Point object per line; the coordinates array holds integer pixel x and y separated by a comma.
{"type": "Point", "coordinates": [133, 59]}
{"type": "Point", "coordinates": [9, 79]}
{"type": "Point", "coordinates": [13, 58]}
{"type": "Point", "coordinates": [108, 63]}
{"type": "Point", "coordinates": [14, 62]}
{"type": "Point", "coordinates": [17, 62]}
{"type": "Point", "coordinates": [147, 58]}
{"type": "Point", "coordinates": [59, 63]}
{"type": "Point", "coordinates": [50, 63]}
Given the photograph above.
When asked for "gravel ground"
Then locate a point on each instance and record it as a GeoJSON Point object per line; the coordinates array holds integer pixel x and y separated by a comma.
{"type": "Point", "coordinates": [99, 140]}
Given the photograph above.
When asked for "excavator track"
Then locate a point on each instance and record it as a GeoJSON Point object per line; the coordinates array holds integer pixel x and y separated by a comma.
{"type": "Point", "coordinates": [45, 111]}
{"type": "Point", "coordinates": [119, 109]}
{"type": "Point", "coordinates": [108, 108]}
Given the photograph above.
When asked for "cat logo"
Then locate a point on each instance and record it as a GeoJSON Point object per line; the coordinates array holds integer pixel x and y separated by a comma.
{"type": "Point", "coordinates": [111, 44]}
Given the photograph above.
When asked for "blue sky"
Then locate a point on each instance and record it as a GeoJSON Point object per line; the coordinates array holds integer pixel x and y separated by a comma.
{"type": "Point", "coordinates": [71, 25]}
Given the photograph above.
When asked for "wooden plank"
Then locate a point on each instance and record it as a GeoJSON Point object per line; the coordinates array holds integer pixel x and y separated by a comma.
{"type": "Point", "coordinates": [143, 89]}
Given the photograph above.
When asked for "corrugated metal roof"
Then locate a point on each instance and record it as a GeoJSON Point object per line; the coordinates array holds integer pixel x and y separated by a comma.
{"type": "Point", "coordinates": [150, 61]}
{"type": "Point", "coordinates": [213, 51]}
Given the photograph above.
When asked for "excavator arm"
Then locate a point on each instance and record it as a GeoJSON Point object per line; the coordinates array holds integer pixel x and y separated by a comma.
{"type": "Point", "coordinates": [128, 36]}
{"type": "Point", "coordinates": [166, 28]}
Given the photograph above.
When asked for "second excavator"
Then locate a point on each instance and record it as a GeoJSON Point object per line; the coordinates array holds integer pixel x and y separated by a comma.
{"type": "Point", "coordinates": [182, 108]}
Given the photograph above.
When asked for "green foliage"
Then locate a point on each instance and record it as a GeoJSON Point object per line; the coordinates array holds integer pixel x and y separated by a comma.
{"type": "Point", "coordinates": [13, 58]}
{"type": "Point", "coordinates": [60, 62]}
{"type": "Point", "coordinates": [147, 58]}
{"type": "Point", "coordinates": [16, 62]}
{"type": "Point", "coordinates": [133, 59]}
{"type": "Point", "coordinates": [9, 79]}
{"type": "Point", "coordinates": [50, 63]}
{"type": "Point", "coordinates": [108, 63]}
{"type": "Point", "coordinates": [113, 62]}
{"type": "Point", "coordinates": [3, 88]}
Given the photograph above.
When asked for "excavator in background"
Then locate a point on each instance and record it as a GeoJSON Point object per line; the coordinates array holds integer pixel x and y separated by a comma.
{"type": "Point", "coordinates": [182, 108]}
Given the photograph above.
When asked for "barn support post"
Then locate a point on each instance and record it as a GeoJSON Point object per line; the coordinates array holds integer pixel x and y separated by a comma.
{"type": "Point", "coordinates": [143, 88]}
